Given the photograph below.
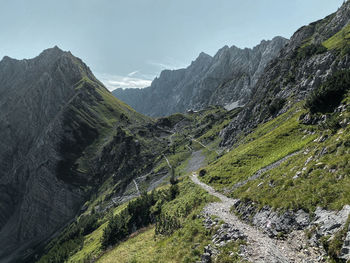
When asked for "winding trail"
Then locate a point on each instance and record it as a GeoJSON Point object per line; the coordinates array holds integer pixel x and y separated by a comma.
{"type": "Point", "coordinates": [167, 161]}
{"type": "Point", "coordinates": [137, 187]}
{"type": "Point", "coordinates": [206, 147]}
{"type": "Point", "coordinates": [188, 147]}
{"type": "Point", "coordinates": [171, 138]}
{"type": "Point", "coordinates": [199, 143]}
{"type": "Point", "coordinates": [260, 248]}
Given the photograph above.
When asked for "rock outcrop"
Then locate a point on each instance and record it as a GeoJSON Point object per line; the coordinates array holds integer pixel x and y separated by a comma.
{"type": "Point", "coordinates": [302, 66]}
{"type": "Point", "coordinates": [225, 79]}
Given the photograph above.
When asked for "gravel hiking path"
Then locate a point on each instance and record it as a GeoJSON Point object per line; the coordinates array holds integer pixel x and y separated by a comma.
{"type": "Point", "coordinates": [167, 161]}
{"type": "Point", "coordinates": [204, 146]}
{"type": "Point", "coordinates": [260, 247]}
{"type": "Point", "coordinates": [197, 161]}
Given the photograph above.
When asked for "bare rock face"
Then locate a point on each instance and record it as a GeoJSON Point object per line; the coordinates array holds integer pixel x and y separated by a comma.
{"type": "Point", "coordinates": [49, 116]}
{"type": "Point", "coordinates": [302, 65]}
{"type": "Point", "coordinates": [226, 78]}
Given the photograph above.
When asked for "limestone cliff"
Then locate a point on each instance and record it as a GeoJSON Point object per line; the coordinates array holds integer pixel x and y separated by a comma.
{"type": "Point", "coordinates": [225, 79]}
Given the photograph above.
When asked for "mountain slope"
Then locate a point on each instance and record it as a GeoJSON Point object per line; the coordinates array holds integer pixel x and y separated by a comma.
{"type": "Point", "coordinates": [56, 117]}
{"type": "Point", "coordinates": [227, 78]}
{"type": "Point", "coordinates": [307, 61]}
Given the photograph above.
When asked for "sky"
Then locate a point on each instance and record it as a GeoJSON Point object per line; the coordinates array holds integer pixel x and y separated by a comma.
{"type": "Point", "coordinates": [127, 43]}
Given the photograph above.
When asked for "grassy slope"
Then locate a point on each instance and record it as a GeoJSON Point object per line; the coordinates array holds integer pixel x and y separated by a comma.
{"type": "Point", "coordinates": [322, 179]}
{"type": "Point", "coordinates": [269, 143]}
{"type": "Point", "coordinates": [318, 176]}
{"type": "Point", "coordinates": [107, 112]}
{"type": "Point", "coordinates": [145, 247]}
{"type": "Point", "coordinates": [340, 40]}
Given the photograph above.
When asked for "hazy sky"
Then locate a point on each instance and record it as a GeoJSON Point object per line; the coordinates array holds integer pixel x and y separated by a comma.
{"type": "Point", "coordinates": [128, 42]}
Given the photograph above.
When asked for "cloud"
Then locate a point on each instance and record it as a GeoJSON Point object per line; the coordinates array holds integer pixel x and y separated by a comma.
{"type": "Point", "coordinates": [161, 65]}
{"type": "Point", "coordinates": [170, 64]}
{"type": "Point", "coordinates": [133, 73]}
{"type": "Point", "coordinates": [113, 82]}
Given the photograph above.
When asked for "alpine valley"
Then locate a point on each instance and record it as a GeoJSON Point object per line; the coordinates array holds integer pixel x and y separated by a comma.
{"type": "Point", "coordinates": [240, 157]}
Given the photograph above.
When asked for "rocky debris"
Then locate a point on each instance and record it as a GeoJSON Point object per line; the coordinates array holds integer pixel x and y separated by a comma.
{"type": "Point", "coordinates": [285, 224]}
{"type": "Point", "coordinates": [227, 233]}
{"type": "Point", "coordinates": [330, 222]}
{"type": "Point", "coordinates": [308, 119]}
{"type": "Point", "coordinates": [210, 223]}
{"type": "Point", "coordinates": [273, 223]}
{"type": "Point", "coordinates": [276, 222]}
{"type": "Point", "coordinates": [226, 79]}
{"type": "Point", "coordinates": [224, 233]}
{"type": "Point", "coordinates": [345, 250]}
{"type": "Point", "coordinates": [197, 161]}
{"type": "Point", "coordinates": [206, 258]}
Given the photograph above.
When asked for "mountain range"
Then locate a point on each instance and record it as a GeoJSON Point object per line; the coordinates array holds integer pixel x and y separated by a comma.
{"type": "Point", "coordinates": [226, 79]}
{"type": "Point", "coordinates": [248, 160]}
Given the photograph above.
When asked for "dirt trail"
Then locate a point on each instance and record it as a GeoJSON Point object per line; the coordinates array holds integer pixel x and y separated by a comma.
{"type": "Point", "coordinates": [197, 161]}
{"type": "Point", "coordinates": [166, 159]}
{"type": "Point", "coordinates": [137, 188]}
{"type": "Point", "coordinates": [204, 146]}
{"type": "Point", "coordinates": [260, 248]}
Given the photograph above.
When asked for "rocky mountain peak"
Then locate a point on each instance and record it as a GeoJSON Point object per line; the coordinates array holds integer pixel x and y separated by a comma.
{"type": "Point", "coordinates": [54, 50]}
{"type": "Point", "coordinates": [203, 55]}
{"type": "Point", "coordinates": [52, 110]}
{"type": "Point", "coordinates": [7, 59]}
{"type": "Point", "coordinates": [202, 58]}
{"type": "Point", "coordinates": [202, 61]}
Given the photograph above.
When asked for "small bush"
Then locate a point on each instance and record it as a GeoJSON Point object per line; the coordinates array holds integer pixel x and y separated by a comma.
{"type": "Point", "coordinates": [71, 239]}
{"type": "Point", "coordinates": [334, 245]}
{"type": "Point", "coordinates": [135, 216]}
{"type": "Point", "coordinates": [202, 172]}
{"type": "Point", "coordinates": [276, 105]}
{"type": "Point", "coordinates": [329, 95]}
{"type": "Point", "coordinates": [310, 50]}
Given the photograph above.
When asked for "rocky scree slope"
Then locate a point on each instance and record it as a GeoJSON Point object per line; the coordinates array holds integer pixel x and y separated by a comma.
{"type": "Point", "coordinates": [225, 79]}
{"type": "Point", "coordinates": [313, 54]}
{"type": "Point", "coordinates": [56, 118]}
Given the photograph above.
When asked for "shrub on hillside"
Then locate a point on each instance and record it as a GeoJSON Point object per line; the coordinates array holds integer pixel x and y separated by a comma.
{"type": "Point", "coordinates": [310, 50]}
{"type": "Point", "coordinates": [329, 95]}
{"type": "Point", "coordinates": [276, 105]}
{"type": "Point", "coordinates": [136, 215]}
{"type": "Point", "coordinates": [202, 172]}
{"type": "Point", "coordinates": [71, 239]}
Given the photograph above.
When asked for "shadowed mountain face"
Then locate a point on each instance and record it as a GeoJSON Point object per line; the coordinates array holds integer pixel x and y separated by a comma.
{"type": "Point", "coordinates": [225, 79]}
{"type": "Point", "coordinates": [53, 111]}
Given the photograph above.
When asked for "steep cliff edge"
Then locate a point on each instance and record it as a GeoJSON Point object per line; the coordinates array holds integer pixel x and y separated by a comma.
{"type": "Point", "coordinates": [225, 79]}
{"type": "Point", "coordinates": [55, 119]}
